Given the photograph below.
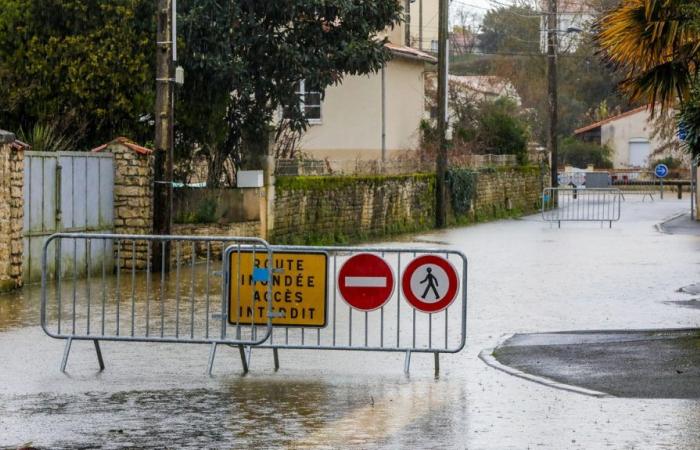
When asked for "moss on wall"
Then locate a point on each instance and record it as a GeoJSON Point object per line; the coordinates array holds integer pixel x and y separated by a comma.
{"type": "Point", "coordinates": [341, 210]}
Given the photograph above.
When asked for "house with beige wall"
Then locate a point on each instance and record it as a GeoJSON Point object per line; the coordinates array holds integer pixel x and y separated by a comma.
{"type": "Point", "coordinates": [370, 117]}
{"type": "Point", "coordinates": [424, 18]}
{"type": "Point", "coordinates": [631, 137]}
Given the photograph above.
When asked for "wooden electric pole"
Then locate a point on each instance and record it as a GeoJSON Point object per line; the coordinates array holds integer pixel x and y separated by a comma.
{"type": "Point", "coordinates": [163, 158]}
{"type": "Point", "coordinates": [441, 182]}
{"type": "Point", "coordinates": [407, 22]}
{"type": "Point", "coordinates": [552, 99]}
{"type": "Point", "coordinates": [420, 24]}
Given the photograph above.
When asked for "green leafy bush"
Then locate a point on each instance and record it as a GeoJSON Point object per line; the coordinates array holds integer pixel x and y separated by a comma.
{"type": "Point", "coordinates": [579, 154]}
{"type": "Point", "coordinates": [205, 213]}
{"type": "Point", "coordinates": [670, 162]}
{"type": "Point", "coordinates": [47, 138]}
{"type": "Point", "coordinates": [462, 185]}
{"type": "Point", "coordinates": [500, 130]}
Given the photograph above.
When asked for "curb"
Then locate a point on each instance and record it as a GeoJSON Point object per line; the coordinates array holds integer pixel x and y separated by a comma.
{"type": "Point", "coordinates": [487, 357]}
{"type": "Point", "coordinates": [661, 226]}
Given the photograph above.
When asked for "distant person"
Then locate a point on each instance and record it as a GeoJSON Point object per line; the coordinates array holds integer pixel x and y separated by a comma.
{"type": "Point", "coordinates": [574, 187]}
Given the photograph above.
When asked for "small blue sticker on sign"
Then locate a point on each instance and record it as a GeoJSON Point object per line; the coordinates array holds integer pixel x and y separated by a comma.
{"type": "Point", "coordinates": [261, 275]}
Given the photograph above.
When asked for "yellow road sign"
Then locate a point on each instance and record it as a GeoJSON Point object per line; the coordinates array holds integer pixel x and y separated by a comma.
{"type": "Point", "coordinates": [298, 288]}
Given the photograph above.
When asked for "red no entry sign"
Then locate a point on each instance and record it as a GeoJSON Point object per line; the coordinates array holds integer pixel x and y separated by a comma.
{"type": "Point", "coordinates": [366, 282]}
{"type": "Point", "coordinates": [430, 283]}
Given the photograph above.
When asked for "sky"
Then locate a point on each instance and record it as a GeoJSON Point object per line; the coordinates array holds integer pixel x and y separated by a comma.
{"type": "Point", "coordinates": [480, 7]}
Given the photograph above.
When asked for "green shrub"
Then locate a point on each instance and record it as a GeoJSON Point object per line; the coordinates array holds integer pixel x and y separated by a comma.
{"type": "Point", "coordinates": [500, 130]}
{"type": "Point", "coordinates": [671, 162]}
{"type": "Point", "coordinates": [462, 186]}
{"type": "Point", "coordinates": [579, 154]}
{"type": "Point", "coordinates": [205, 213]}
{"type": "Point", "coordinates": [47, 137]}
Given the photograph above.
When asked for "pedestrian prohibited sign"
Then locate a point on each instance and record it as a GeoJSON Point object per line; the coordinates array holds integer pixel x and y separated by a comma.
{"type": "Point", "coordinates": [299, 284]}
{"type": "Point", "coordinates": [366, 282]}
{"type": "Point", "coordinates": [430, 283]}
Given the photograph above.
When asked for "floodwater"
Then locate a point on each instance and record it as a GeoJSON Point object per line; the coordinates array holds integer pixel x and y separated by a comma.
{"type": "Point", "coordinates": [524, 276]}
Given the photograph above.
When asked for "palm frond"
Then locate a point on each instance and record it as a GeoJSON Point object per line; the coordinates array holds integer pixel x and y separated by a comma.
{"type": "Point", "coordinates": [655, 45]}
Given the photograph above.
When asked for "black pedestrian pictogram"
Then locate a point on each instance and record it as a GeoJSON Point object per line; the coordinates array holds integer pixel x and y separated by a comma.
{"type": "Point", "coordinates": [432, 284]}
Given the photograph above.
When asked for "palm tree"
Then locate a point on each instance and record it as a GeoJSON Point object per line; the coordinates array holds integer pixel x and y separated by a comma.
{"type": "Point", "coordinates": [655, 46]}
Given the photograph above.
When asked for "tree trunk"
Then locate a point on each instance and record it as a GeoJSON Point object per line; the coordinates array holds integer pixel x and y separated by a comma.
{"type": "Point", "coordinates": [256, 149]}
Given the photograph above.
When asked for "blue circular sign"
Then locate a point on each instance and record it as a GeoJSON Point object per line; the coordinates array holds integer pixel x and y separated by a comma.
{"type": "Point", "coordinates": [661, 170]}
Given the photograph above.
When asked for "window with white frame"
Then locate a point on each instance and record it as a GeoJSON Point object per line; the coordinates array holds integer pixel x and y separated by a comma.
{"type": "Point", "coordinates": [309, 101]}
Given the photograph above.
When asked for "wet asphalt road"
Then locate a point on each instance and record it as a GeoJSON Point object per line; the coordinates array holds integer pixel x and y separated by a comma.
{"type": "Point", "coordinates": [524, 277]}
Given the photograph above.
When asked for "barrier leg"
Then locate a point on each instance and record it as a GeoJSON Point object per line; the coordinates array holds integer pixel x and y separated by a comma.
{"type": "Point", "coordinates": [276, 357]}
{"type": "Point", "coordinates": [66, 351]}
{"type": "Point", "coordinates": [407, 362]}
{"type": "Point", "coordinates": [245, 359]}
{"type": "Point", "coordinates": [100, 361]}
{"type": "Point", "coordinates": [437, 364]}
{"type": "Point", "coordinates": [212, 355]}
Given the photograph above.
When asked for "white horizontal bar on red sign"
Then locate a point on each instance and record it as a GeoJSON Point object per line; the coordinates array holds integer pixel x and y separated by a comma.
{"type": "Point", "coordinates": [365, 281]}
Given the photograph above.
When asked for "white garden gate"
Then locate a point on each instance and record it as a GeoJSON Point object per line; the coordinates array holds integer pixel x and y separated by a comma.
{"type": "Point", "coordinates": [65, 191]}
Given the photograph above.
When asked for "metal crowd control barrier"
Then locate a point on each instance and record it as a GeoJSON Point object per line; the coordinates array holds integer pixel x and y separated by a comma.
{"type": "Point", "coordinates": [581, 205]}
{"type": "Point", "coordinates": [395, 327]}
{"type": "Point", "coordinates": [118, 297]}
{"type": "Point", "coordinates": [104, 288]}
{"type": "Point", "coordinates": [636, 182]}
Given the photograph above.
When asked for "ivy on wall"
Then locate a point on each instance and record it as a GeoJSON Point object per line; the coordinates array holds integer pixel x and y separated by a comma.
{"type": "Point", "coordinates": [462, 186]}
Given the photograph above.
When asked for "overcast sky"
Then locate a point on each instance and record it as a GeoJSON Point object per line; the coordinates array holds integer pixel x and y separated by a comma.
{"type": "Point", "coordinates": [479, 7]}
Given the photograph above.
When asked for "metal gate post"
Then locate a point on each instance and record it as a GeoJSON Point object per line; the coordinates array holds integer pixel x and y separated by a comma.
{"type": "Point", "coordinates": [100, 361]}
{"type": "Point", "coordinates": [276, 357]}
{"type": "Point", "coordinates": [212, 354]}
{"type": "Point", "coordinates": [245, 359]}
{"type": "Point", "coordinates": [437, 363]}
{"type": "Point", "coordinates": [407, 362]}
{"type": "Point", "coordinates": [66, 351]}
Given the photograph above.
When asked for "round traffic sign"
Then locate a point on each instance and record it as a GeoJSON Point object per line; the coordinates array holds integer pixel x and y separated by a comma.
{"type": "Point", "coordinates": [661, 170]}
{"type": "Point", "coordinates": [430, 283]}
{"type": "Point", "coordinates": [366, 282]}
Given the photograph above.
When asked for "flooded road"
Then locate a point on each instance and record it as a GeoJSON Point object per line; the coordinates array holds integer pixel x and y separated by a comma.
{"type": "Point", "coordinates": [524, 276]}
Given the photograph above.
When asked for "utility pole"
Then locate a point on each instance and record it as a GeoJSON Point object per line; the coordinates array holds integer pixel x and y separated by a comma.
{"type": "Point", "coordinates": [163, 161]}
{"type": "Point", "coordinates": [552, 100]}
{"type": "Point", "coordinates": [407, 22]}
{"type": "Point", "coordinates": [441, 182]}
{"type": "Point", "coordinates": [420, 24]}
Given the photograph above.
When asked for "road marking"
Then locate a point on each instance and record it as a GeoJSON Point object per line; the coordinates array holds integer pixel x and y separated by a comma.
{"type": "Point", "coordinates": [378, 282]}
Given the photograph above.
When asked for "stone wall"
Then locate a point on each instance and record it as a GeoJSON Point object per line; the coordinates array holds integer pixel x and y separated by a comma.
{"type": "Point", "coordinates": [133, 196]}
{"type": "Point", "coordinates": [11, 211]}
{"type": "Point", "coordinates": [239, 229]}
{"type": "Point", "coordinates": [507, 192]}
{"type": "Point", "coordinates": [335, 210]}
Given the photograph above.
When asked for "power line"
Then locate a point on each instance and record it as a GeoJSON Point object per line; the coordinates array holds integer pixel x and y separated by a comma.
{"type": "Point", "coordinates": [543, 55]}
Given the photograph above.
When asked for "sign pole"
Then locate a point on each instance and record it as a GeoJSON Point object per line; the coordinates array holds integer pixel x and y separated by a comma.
{"type": "Point", "coordinates": [661, 171]}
